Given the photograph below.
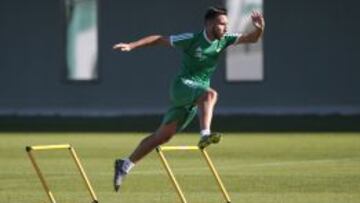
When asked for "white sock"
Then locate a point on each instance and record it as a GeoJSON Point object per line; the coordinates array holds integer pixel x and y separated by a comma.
{"type": "Point", "coordinates": [128, 165]}
{"type": "Point", "coordinates": [205, 132]}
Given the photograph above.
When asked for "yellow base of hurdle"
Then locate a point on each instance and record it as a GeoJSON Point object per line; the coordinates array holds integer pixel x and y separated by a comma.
{"type": "Point", "coordinates": [171, 175]}
{"type": "Point", "coordinates": [30, 149]}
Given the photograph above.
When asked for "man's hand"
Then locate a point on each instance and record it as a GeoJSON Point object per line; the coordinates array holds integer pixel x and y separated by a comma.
{"type": "Point", "coordinates": [253, 36]}
{"type": "Point", "coordinates": [122, 47]}
{"type": "Point", "coordinates": [258, 20]}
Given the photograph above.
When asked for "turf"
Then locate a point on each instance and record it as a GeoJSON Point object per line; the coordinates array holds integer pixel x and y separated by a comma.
{"type": "Point", "coordinates": [266, 168]}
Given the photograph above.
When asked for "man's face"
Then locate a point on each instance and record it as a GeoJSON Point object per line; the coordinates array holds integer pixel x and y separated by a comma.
{"type": "Point", "coordinates": [218, 26]}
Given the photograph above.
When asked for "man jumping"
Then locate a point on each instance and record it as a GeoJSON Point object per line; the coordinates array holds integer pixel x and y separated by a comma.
{"type": "Point", "coordinates": [190, 91]}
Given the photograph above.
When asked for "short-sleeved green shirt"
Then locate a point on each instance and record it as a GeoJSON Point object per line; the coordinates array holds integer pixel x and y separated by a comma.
{"type": "Point", "coordinates": [199, 60]}
{"type": "Point", "coordinates": [200, 55]}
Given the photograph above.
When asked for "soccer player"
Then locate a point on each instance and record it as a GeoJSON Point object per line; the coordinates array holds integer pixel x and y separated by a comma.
{"type": "Point", "coordinates": [190, 91]}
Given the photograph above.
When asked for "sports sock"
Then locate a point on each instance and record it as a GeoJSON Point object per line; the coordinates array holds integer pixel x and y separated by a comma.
{"type": "Point", "coordinates": [205, 132]}
{"type": "Point", "coordinates": [128, 165]}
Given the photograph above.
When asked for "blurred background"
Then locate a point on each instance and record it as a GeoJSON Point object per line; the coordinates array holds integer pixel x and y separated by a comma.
{"type": "Point", "coordinates": [306, 74]}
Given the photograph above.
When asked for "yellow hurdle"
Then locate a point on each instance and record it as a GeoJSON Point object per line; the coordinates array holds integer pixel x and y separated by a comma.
{"type": "Point", "coordinates": [171, 175]}
{"type": "Point", "coordinates": [29, 150]}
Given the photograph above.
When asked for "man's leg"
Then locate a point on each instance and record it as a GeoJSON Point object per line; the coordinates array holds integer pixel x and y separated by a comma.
{"type": "Point", "coordinates": [161, 136]}
{"type": "Point", "coordinates": [206, 104]}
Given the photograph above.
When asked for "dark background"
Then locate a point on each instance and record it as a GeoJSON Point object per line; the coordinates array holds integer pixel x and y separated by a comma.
{"type": "Point", "coordinates": [311, 64]}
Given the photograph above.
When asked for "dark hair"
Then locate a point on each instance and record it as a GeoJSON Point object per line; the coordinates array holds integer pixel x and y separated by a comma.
{"type": "Point", "coordinates": [214, 12]}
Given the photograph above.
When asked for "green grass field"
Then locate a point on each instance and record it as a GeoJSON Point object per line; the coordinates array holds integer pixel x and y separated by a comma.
{"type": "Point", "coordinates": [256, 168]}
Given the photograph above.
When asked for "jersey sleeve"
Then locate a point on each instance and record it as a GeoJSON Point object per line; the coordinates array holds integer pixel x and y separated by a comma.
{"type": "Point", "coordinates": [181, 40]}
{"type": "Point", "coordinates": [232, 38]}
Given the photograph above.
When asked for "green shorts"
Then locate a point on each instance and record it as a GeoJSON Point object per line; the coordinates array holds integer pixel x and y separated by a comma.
{"type": "Point", "coordinates": [183, 95]}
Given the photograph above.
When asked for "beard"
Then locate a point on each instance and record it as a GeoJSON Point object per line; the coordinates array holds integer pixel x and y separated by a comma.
{"type": "Point", "coordinates": [217, 35]}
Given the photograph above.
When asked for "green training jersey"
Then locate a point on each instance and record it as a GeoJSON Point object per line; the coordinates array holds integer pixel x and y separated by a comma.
{"type": "Point", "coordinates": [200, 55]}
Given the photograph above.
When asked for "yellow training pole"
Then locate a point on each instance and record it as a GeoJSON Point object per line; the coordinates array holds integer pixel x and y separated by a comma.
{"type": "Point", "coordinates": [83, 174]}
{"type": "Point", "coordinates": [216, 175]}
{"type": "Point", "coordinates": [171, 175]}
{"type": "Point", "coordinates": [172, 148]}
{"type": "Point", "coordinates": [76, 159]}
{"type": "Point", "coordinates": [49, 147]}
{"type": "Point", "coordinates": [40, 175]}
{"type": "Point", "coordinates": [160, 150]}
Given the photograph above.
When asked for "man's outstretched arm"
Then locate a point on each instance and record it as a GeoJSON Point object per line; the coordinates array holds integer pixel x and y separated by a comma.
{"type": "Point", "coordinates": [143, 42]}
{"type": "Point", "coordinates": [252, 37]}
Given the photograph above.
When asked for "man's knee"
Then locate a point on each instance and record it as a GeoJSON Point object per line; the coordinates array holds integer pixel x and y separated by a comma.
{"type": "Point", "coordinates": [214, 95]}
{"type": "Point", "coordinates": [210, 95]}
{"type": "Point", "coordinates": [165, 133]}
{"type": "Point", "coordinates": [164, 137]}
